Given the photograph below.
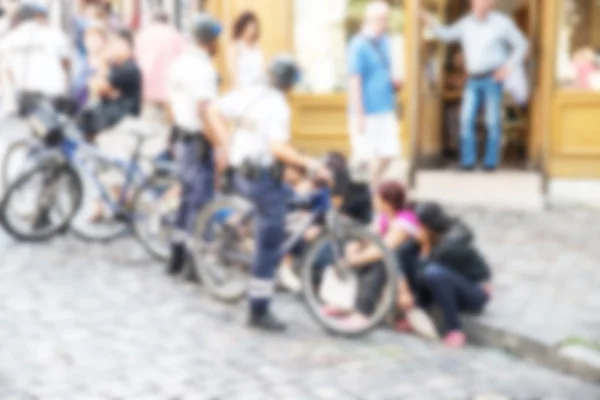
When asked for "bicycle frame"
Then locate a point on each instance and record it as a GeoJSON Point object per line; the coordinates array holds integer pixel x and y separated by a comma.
{"type": "Point", "coordinates": [319, 206]}
{"type": "Point", "coordinates": [74, 151]}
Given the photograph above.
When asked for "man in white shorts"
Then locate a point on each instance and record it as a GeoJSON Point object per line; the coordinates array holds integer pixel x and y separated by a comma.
{"type": "Point", "coordinates": [373, 125]}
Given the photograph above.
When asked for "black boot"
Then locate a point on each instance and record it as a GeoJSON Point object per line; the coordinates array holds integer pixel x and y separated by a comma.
{"type": "Point", "coordinates": [177, 260]}
{"type": "Point", "coordinates": [266, 321]}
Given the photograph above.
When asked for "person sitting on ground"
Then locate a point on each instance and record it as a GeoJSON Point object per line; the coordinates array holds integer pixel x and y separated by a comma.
{"type": "Point", "coordinates": [119, 91]}
{"type": "Point", "coordinates": [353, 199]}
{"type": "Point", "coordinates": [453, 274]}
{"type": "Point", "coordinates": [301, 186]}
{"type": "Point", "coordinates": [396, 224]}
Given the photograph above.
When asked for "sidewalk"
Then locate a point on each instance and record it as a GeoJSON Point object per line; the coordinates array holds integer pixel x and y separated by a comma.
{"type": "Point", "coordinates": [547, 305]}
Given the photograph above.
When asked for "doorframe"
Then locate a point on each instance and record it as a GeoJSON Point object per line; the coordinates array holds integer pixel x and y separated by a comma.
{"type": "Point", "coordinates": [413, 32]}
{"type": "Point", "coordinates": [542, 34]}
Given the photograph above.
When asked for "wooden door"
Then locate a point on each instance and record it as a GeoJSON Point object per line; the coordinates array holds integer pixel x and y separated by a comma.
{"type": "Point", "coordinates": [425, 85]}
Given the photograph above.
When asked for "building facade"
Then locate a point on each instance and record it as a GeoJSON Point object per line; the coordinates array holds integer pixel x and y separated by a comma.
{"type": "Point", "coordinates": [558, 134]}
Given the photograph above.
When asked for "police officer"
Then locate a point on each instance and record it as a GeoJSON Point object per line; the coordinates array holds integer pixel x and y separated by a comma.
{"type": "Point", "coordinates": [192, 86]}
{"type": "Point", "coordinates": [35, 56]}
{"type": "Point", "coordinates": [259, 148]}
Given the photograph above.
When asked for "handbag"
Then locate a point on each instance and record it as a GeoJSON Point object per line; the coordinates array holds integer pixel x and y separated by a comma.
{"type": "Point", "coordinates": [339, 292]}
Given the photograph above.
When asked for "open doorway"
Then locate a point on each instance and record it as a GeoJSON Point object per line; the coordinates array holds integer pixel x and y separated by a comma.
{"type": "Point", "coordinates": [439, 145]}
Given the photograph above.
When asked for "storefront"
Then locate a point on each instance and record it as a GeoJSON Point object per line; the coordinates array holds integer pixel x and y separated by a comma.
{"type": "Point", "coordinates": [558, 134]}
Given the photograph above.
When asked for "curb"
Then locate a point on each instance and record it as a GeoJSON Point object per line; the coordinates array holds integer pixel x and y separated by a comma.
{"type": "Point", "coordinates": [573, 359]}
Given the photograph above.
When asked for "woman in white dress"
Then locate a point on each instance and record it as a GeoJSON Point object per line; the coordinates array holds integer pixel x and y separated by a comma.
{"type": "Point", "coordinates": [246, 61]}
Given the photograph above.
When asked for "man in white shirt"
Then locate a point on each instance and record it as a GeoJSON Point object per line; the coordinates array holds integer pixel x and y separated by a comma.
{"type": "Point", "coordinates": [192, 87]}
{"type": "Point", "coordinates": [35, 55]}
{"type": "Point", "coordinates": [260, 147]}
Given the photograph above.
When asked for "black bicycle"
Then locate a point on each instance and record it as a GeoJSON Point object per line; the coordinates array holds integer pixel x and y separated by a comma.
{"type": "Point", "coordinates": [47, 195]}
{"type": "Point", "coordinates": [224, 246]}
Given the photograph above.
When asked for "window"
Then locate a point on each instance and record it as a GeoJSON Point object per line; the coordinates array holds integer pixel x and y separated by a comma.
{"type": "Point", "coordinates": [322, 30]}
{"type": "Point", "coordinates": [578, 45]}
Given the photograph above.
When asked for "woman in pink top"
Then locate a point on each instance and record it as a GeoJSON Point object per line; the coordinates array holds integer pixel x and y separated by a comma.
{"type": "Point", "coordinates": [157, 46]}
{"type": "Point", "coordinates": [396, 224]}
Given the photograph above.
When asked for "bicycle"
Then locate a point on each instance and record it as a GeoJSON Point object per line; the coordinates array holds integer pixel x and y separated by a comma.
{"type": "Point", "coordinates": [222, 254]}
{"type": "Point", "coordinates": [63, 155]}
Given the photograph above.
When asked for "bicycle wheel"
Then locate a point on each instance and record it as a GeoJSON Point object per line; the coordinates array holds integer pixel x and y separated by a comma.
{"type": "Point", "coordinates": [96, 220]}
{"type": "Point", "coordinates": [41, 203]}
{"type": "Point", "coordinates": [327, 282]}
{"type": "Point", "coordinates": [18, 158]}
{"type": "Point", "coordinates": [154, 208]}
{"type": "Point", "coordinates": [224, 246]}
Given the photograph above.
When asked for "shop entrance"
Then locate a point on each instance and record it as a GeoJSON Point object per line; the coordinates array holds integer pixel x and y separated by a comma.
{"type": "Point", "coordinates": [435, 128]}
{"type": "Point", "coordinates": [442, 78]}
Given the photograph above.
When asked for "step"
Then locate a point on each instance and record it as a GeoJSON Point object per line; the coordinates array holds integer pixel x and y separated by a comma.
{"type": "Point", "coordinates": [515, 190]}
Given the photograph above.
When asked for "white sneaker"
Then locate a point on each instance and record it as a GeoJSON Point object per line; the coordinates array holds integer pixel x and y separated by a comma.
{"type": "Point", "coordinates": [288, 279]}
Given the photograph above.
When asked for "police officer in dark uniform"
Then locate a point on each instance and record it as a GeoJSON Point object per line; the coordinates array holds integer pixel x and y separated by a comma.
{"type": "Point", "coordinates": [259, 149]}
{"type": "Point", "coordinates": [192, 86]}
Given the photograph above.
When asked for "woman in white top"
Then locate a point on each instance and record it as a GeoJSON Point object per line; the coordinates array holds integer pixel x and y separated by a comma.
{"type": "Point", "coordinates": [246, 61]}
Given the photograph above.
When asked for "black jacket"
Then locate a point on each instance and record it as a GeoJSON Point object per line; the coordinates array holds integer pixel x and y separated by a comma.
{"type": "Point", "coordinates": [356, 202]}
{"type": "Point", "coordinates": [456, 251]}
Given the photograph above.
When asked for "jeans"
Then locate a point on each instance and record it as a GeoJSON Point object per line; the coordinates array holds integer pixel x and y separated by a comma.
{"type": "Point", "coordinates": [453, 293]}
{"type": "Point", "coordinates": [480, 90]}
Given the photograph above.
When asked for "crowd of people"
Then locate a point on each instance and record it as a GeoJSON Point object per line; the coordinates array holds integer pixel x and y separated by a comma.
{"type": "Point", "coordinates": [112, 73]}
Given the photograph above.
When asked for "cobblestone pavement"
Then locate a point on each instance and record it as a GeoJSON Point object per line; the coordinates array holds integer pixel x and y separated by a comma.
{"type": "Point", "coordinates": [546, 271]}
{"type": "Point", "coordinates": [81, 321]}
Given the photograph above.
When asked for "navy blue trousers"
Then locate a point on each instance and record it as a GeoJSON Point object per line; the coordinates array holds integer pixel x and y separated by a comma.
{"type": "Point", "coordinates": [198, 184]}
{"type": "Point", "coordinates": [270, 198]}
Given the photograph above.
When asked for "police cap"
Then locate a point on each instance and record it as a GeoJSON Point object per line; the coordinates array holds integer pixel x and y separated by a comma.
{"type": "Point", "coordinates": [205, 28]}
{"type": "Point", "coordinates": [284, 72]}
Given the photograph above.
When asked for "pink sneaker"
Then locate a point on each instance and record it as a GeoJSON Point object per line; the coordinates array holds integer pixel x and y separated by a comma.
{"type": "Point", "coordinates": [354, 322]}
{"type": "Point", "coordinates": [455, 340]}
{"type": "Point", "coordinates": [403, 326]}
{"type": "Point", "coordinates": [333, 311]}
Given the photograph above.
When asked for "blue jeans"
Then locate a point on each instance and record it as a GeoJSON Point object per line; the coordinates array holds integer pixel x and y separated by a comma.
{"type": "Point", "coordinates": [489, 92]}
{"type": "Point", "coordinates": [453, 293]}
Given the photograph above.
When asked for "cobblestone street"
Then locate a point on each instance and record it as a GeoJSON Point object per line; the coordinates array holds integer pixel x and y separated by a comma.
{"type": "Point", "coordinates": [81, 321]}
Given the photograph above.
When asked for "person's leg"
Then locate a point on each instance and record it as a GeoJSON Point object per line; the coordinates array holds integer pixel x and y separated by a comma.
{"type": "Point", "coordinates": [493, 118]}
{"type": "Point", "coordinates": [183, 159]}
{"type": "Point", "coordinates": [197, 179]}
{"type": "Point", "coordinates": [452, 293]}
{"type": "Point", "coordinates": [468, 119]}
{"type": "Point", "coordinates": [360, 147]}
{"type": "Point", "coordinates": [269, 198]}
{"type": "Point", "coordinates": [384, 137]}
{"type": "Point", "coordinates": [408, 257]}
{"type": "Point", "coordinates": [372, 280]}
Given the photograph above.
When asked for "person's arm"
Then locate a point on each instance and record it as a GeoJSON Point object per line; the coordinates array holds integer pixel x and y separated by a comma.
{"type": "Point", "coordinates": [520, 47]}
{"type": "Point", "coordinates": [372, 253]}
{"type": "Point", "coordinates": [205, 92]}
{"type": "Point", "coordinates": [445, 33]}
{"type": "Point", "coordinates": [63, 50]}
{"type": "Point", "coordinates": [232, 60]}
{"type": "Point", "coordinates": [355, 88]}
{"type": "Point", "coordinates": [100, 86]}
{"type": "Point", "coordinates": [519, 44]}
{"type": "Point", "coordinates": [287, 154]}
{"type": "Point", "coordinates": [216, 130]}
{"type": "Point", "coordinates": [277, 129]}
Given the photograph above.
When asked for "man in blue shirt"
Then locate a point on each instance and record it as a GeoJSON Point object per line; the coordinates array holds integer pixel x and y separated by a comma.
{"type": "Point", "coordinates": [486, 37]}
{"type": "Point", "coordinates": [373, 125]}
